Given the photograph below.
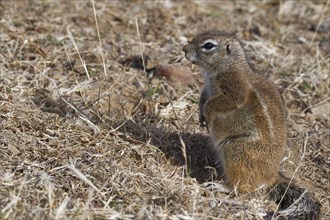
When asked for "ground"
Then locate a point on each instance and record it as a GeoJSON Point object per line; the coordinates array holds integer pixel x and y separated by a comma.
{"type": "Point", "coordinates": [90, 130]}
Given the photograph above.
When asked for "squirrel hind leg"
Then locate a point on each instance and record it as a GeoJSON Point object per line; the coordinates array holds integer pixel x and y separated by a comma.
{"type": "Point", "coordinates": [215, 161]}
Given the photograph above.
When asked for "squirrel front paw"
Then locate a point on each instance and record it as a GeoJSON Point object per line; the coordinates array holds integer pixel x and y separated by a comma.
{"type": "Point", "coordinates": [206, 115]}
{"type": "Point", "coordinates": [202, 122]}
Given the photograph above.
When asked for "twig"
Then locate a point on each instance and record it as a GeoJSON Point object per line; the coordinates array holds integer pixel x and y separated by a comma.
{"type": "Point", "coordinates": [83, 117]}
{"type": "Point", "coordinates": [317, 104]}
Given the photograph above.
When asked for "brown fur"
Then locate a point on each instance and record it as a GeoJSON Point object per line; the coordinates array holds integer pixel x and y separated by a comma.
{"type": "Point", "coordinates": [245, 116]}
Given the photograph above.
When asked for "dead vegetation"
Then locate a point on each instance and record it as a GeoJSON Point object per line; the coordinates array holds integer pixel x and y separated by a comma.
{"type": "Point", "coordinates": [87, 132]}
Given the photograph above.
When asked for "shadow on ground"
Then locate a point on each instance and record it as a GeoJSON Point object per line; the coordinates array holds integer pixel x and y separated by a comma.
{"type": "Point", "coordinates": [200, 156]}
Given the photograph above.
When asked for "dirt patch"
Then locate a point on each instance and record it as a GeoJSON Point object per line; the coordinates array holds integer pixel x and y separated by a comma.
{"type": "Point", "coordinates": [88, 131]}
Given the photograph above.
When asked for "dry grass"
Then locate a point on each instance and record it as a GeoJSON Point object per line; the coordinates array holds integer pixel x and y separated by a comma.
{"type": "Point", "coordinates": [84, 137]}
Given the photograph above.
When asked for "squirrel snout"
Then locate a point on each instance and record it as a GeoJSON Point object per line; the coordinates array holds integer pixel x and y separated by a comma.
{"type": "Point", "coordinates": [190, 53]}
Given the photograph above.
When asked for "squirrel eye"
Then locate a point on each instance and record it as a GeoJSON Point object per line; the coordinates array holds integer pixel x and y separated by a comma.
{"type": "Point", "coordinates": [228, 49]}
{"type": "Point", "coordinates": [208, 46]}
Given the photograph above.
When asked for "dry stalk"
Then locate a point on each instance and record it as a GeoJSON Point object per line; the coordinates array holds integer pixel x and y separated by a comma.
{"type": "Point", "coordinates": [99, 38]}
{"type": "Point", "coordinates": [319, 23]}
{"type": "Point", "coordinates": [81, 176]}
{"type": "Point", "coordinates": [77, 50]}
{"type": "Point", "coordinates": [140, 44]}
{"type": "Point", "coordinates": [292, 177]}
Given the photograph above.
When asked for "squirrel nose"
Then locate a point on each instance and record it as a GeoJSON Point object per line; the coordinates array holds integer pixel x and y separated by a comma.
{"type": "Point", "coordinates": [186, 48]}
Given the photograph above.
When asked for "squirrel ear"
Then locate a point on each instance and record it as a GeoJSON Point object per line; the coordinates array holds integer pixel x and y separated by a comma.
{"type": "Point", "coordinates": [228, 49]}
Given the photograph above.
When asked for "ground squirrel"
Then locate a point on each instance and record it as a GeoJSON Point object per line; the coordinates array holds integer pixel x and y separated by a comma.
{"type": "Point", "coordinates": [246, 120]}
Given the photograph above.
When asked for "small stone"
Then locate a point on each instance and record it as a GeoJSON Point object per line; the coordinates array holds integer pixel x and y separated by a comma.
{"type": "Point", "coordinates": [322, 111]}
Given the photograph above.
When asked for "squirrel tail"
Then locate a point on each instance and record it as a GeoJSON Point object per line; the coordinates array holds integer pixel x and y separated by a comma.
{"type": "Point", "coordinates": [294, 202]}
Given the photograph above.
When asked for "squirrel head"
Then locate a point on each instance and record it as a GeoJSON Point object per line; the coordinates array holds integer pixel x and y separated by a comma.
{"type": "Point", "coordinates": [215, 51]}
